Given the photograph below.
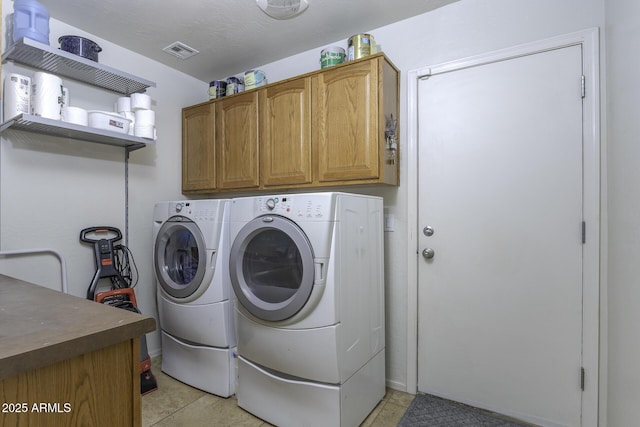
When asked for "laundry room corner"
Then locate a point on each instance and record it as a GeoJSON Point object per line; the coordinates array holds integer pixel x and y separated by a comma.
{"type": "Point", "coordinates": [53, 187]}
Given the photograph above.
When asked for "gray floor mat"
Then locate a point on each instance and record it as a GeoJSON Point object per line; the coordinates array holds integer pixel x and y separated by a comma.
{"type": "Point", "coordinates": [430, 411]}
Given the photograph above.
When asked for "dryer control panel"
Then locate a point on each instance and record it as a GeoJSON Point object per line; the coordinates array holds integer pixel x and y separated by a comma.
{"type": "Point", "coordinates": [295, 207]}
{"type": "Point", "coordinates": [280, 205]}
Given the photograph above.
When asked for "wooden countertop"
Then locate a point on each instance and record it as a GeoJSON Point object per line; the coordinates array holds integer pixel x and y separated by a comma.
{"type": "Point", "coordinates": [40, 326]}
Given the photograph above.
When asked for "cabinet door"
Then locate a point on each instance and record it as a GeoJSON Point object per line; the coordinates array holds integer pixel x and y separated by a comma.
{"type": "Point", "coordinates": [237, 141]}
{"type": "Point", "coordinates": [345, 110]}
{"type": "Point", "coordinates": [198, 154]}
{"type": "Point", "coordinates": [285, 133]}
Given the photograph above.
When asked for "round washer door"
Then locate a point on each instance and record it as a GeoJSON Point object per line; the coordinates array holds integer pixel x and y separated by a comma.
{"type": "Point", "coordinates": [271, 267]}
{"type": "Point", "coordinates": [180, 257]}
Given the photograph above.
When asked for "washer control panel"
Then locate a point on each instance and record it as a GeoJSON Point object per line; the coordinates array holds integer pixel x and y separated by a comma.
{"type": "Point", "coordinates": [196, 211]}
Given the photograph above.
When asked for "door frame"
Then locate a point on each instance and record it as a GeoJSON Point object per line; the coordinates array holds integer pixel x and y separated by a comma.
{"type": "Point", "coordinates": [594, 249]}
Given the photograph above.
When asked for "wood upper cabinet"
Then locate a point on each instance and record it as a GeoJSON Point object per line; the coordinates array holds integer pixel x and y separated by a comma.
{"type": "Point", "coordinates": [198, 154]}
{"type": "Point", "coordinates": [236, 141]}
{"type": "Point", "coordinates": [350, 108]}
{"type": "Point", "coordinates": [345, 132]}
{"type": "Point", "coordinates": [323, 128]}
{"type": "Point", "coordinates": [285, 133]}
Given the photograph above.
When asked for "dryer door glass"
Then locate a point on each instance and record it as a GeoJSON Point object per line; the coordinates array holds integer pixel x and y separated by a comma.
{"type": "Point", "coordinates": [180, 257]}
{"type": "Point", "coordinates": [272, 268]}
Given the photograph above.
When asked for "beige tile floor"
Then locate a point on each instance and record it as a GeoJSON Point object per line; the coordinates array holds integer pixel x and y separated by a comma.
{"type": "Point", "coordinates": [175, 404]}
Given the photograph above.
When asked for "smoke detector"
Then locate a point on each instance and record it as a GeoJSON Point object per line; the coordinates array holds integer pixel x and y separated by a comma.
{"type": "Point", "coordinates": [283, 9]}
{"type": "Point", "coordinates": [181, 50]}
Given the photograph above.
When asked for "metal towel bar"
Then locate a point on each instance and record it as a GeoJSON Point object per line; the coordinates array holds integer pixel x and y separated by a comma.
{"type": "Point", "coordinates": [40, 251]}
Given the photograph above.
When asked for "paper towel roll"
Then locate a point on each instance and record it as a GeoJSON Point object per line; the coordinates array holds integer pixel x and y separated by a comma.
{"type": "Point", "coordinates": [17, 95]}
{"type": "Point", "coordinates": [46, 95]}
{"type": "Point", "coordinates": [123, 105]}
{"type": "Point", "coordinates": [145, 117]}
{"type": "Point", "coordinates": [140, 101]}
{"type": "Point", "coordinates": [145, 131]}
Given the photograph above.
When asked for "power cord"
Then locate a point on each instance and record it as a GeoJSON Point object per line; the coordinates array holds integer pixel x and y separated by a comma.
{"type": "Point", "coordinates": [125, 264]}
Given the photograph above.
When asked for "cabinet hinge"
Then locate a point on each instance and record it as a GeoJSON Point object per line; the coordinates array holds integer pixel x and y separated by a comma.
{"type": "Point", "coordinates": [583, 86]}
{"type": "Point", "coordinates": [582, 378]}
{"type": "Point", "coordinates": [584, 232]}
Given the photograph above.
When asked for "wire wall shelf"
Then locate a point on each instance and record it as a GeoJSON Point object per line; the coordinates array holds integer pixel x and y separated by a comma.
{"type": "Point", "coordinates": [64, 64]}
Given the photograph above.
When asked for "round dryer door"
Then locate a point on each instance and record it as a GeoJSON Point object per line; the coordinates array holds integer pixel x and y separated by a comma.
{"type": "Point", "coordinates": [180, 257]}
{"type": "Point", "coordinates": [271, 267]}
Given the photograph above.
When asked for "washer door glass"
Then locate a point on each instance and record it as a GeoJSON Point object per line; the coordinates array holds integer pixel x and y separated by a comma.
{"type": "Point", "coordinates": [180, 257]}
{"type": "Point", "coordinates": [271, 267]}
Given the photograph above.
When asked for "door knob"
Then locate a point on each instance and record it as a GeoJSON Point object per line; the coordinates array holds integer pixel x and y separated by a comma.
{"type": "Point", "coordinates": [428, 253]}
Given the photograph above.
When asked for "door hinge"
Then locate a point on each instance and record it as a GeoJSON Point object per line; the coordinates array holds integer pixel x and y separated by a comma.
{"type": "Point", "coordinates": [582, 378]}
{"type": "Point", "coordinates": [584, 232]}
{"type": "Point", "coordinates": [583, 86]}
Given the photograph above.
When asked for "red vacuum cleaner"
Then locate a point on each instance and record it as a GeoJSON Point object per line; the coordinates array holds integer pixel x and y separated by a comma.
{"type": "Point", "coordinates": [115, 262]}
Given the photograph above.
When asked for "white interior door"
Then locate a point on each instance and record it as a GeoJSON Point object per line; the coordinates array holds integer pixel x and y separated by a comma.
{"type": "Point", "coordinates": [500, 182]}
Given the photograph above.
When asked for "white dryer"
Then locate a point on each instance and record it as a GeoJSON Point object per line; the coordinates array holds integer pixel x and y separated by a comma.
{"type": "Point", "coordinates": [307, 271]}
{"type": "Point", "coordinates": [191, 259]}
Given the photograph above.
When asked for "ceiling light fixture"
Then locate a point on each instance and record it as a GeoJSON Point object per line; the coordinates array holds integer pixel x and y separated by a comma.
{"type": "Point", "coordinates": [283, 9]}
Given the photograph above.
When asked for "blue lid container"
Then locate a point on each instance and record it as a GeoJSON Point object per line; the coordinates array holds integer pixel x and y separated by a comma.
{"type": "Point", "coordinates": [30, 20]}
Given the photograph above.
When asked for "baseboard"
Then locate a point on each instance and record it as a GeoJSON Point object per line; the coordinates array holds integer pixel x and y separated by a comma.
{"type": "Point", "coordinates": [396, 385]}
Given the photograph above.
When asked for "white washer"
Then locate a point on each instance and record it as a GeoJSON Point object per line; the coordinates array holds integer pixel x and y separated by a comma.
{"type": "Point", "coordinates": [191, 259]}
{"type": "Point", "coordinates": [307, 271]}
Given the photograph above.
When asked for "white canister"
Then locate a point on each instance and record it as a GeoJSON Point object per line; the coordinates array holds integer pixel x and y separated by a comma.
{"type": "Point", "coordinates": [140, 101]}
{"type": "Point", "coordinates": [145, 117]}
{"type": "Point", "coordinates": [46, 95]}
{"type": "Point", "coordinates": [331, 56]}
{"type": "Point", "coordinates": [78, 116]}
{"type": "Point", "coordinates": [123, 105]}
{"type": "Point", "coordinates": [17, 95]}
{"type": "Point", "coordinates": [254, 78]}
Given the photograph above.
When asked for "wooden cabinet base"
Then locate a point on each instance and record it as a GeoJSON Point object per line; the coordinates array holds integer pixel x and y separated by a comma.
{"type": "Point", "coordinates": [101, 388]}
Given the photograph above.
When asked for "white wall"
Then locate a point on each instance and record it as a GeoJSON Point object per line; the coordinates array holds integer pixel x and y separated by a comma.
{"type": "Point", "coordinates": [623, 110]}
{"type": "Point", "coordinates": [51, 188]}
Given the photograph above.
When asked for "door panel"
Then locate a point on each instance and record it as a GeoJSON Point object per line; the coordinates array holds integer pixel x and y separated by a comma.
{"type": "Point", "coordinates": [345, 129]}
{"type": "Point", "coordinates": [500, 183]}
{"type": "Point", "coordinates": [198, 154]}
{"type": "Point", "coordinates": [285, 133]}
{"type": "Point", "coordinates": [237, 141]}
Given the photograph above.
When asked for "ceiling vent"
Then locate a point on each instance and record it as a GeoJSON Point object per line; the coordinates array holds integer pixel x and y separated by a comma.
{"type": "Point", "coordinates": [181, 50]}
{"type": "Point", "coordinates": [283, 9]}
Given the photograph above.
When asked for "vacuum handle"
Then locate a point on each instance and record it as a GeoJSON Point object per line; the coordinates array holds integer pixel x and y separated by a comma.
{"type": "Point", "coordinates": [105, 229]}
